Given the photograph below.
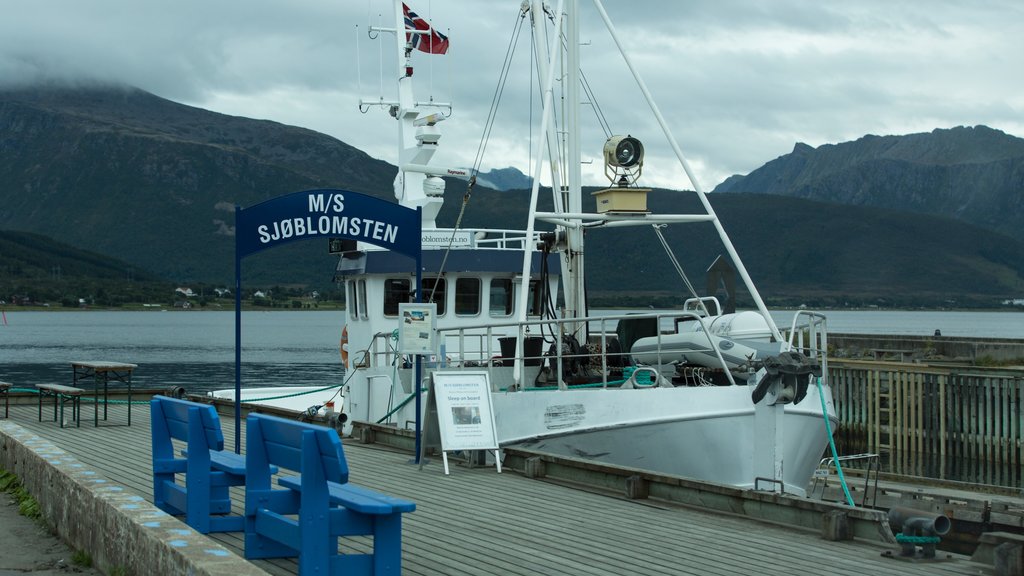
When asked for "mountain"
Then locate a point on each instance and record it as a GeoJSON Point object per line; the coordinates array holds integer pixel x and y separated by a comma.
{"type": "Point", "coordinates": [120, 171]}
{"type": "Point", "coordinates": [126, 174]}
{"type": "Point", "coordinates": [796, 251]}
{"type": "Point", "coordinates": [971, 174]}
{"type": "Point", "coordinates": [504, 179]}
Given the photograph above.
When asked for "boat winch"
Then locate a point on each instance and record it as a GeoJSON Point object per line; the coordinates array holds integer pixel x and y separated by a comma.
{"type": "Point", "coordinates": [784, 378]}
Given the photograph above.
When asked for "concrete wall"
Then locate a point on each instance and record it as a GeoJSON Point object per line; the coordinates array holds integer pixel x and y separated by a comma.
{"type": "Point", "coordinates": [116, 526]}
{"type": "Point", "coordinates": [926, 347]}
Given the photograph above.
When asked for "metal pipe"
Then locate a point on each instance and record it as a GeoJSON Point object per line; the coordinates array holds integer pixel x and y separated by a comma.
{"type": "Point", "coordinates": [921, 522]}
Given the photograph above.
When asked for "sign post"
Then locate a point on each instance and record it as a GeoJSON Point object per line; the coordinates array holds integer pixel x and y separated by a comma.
{"type": "Point", "coordinates": [321, 214]}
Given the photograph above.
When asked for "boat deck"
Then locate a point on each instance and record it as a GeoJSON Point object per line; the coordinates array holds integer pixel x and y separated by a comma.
{"type": "Point", "coordinates": [476, 521]}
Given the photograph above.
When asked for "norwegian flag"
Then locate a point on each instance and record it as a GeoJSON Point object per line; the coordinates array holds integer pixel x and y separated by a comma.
{"type": "Point", "coordinates": [432, 42]}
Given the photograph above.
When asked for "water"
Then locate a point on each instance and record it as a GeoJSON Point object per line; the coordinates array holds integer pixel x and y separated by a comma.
{"type": "Point", "coordinates": [981, 324]}
{"type": "Point", "coordinates": [195, 350]}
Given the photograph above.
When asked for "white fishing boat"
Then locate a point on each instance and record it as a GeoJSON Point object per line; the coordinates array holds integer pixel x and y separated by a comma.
{"type": "Point", "coordinates": [670, 392]}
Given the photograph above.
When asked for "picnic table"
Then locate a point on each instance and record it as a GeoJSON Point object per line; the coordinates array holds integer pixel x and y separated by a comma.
{"type": "Point", "coordinates": [103, 373]}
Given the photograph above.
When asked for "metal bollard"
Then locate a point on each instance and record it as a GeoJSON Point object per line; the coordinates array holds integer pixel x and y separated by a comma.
{"type": "Point", "coordinates": [917, 527]}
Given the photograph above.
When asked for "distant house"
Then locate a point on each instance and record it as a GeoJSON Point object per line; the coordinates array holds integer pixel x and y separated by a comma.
{"type": "Point", "coordinates": [259, 294]}
{"type": "Point", "coordinates": [1014, 302]}
{"type": "Point", "coordinates": [222, 292]}
{"type": "Point", "coordinates": [186, 292]}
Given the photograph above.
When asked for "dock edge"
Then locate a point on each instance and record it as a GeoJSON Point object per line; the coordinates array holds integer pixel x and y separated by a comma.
{"type": "Point", "coordinates": [119, 529]}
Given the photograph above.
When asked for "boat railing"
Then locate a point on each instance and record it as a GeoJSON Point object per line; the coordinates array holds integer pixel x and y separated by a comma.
{"type": "Point", "coordinates": [475, 346]}
{"type": "Point", "coordinates": [808, 334]}
{"type": "Point", "coordinates": [479, 346]}
{"type": "Point", "coordinates": [496, 238]}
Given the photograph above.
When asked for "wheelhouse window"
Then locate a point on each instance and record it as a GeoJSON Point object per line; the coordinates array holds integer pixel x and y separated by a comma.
{"type": "Point", "coordinates": [396, 291]}
{"type": "Point", "coordinates": [351, 303]}
{"type": "Point", "coordinates": [434, 290]}
{"type": "Point", "coordinates": [467, 296]}
{"type": "Point", "coordinates": [500, 297]}
{"type": "Point", "coordinates": [362, 299]}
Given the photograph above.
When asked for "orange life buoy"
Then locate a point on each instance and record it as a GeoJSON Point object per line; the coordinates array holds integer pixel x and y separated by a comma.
{"type": "Point", "coordinates": [343, 346]}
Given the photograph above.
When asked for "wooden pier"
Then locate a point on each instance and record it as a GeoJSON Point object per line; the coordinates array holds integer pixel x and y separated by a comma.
{"type": "Point", "coordinates": [478, 522]}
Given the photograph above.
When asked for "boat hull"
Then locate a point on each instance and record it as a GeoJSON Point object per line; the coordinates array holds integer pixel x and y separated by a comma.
{"type": "Point", "coordinates": [705, 433]}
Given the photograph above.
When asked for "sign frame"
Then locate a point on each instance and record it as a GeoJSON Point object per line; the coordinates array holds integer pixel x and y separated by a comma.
{"type": "Point", "coordinates": [417, 324]}
{"type": "Point", "coordinates": [465, 412]}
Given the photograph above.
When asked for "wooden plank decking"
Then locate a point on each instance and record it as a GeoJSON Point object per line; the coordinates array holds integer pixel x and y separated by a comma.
{"type": "Point", "coordinates": [478, 522]}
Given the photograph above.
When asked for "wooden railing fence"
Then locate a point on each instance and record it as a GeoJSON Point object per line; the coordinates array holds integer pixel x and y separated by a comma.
{"type": "Point", "coordinates": [941, 422]}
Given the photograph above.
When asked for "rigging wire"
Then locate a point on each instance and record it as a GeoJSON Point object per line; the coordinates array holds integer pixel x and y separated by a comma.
{"type": "Point", "coordinates": [679, 268]}
{"type": "Point", "coordinates": [481, 149]}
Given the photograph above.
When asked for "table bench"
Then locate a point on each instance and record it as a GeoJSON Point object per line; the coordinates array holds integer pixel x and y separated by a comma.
{"type": "Point", "coordinates": [61, 396]}
{"type": "Point", "coordinates": [209, 470]}
{"type": "Point", "coordinates": [326, 505]}
{"type": "Point", "coordinates": [5, 391]}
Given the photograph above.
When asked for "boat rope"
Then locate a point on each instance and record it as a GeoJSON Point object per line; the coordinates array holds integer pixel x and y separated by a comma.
{"type": "Point", "coordinates": [408, 399]}
{"type": "Point", "coordinates": [678, 266]}
{"type": "Point", "coordinates": [499, 90]}
{"type": "Point", "coordinates": [907, 539]}
{"type": "Point", "coordinates": [91, 399]}
{"type": "Point", "coordinates": [591, 96]}
{"type": "Point", "coordinates": [296, 394]}
{"type": "Point", "coordinates": [832, 445]}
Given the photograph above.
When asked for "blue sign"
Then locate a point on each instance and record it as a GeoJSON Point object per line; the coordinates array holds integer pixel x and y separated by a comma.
{"type": "Point", "coordinates": [327, 214]}
{"type": "Point", "coordinates": [322, 214]}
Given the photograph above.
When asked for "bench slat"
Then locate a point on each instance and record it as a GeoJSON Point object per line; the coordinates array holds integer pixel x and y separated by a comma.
{"type": "Point", "coordinates": [355, 498]}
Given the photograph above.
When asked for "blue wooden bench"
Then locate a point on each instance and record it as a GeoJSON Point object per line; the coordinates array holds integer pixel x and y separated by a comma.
{"type": "Point", "coordinates": [327, 506]}
{"type": "Point", "coordinates": [209, 470]}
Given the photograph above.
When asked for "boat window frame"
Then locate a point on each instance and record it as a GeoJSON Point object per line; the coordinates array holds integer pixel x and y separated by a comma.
{"type": "Point", "coordinates": [361, 298]}
{"type": "Point", "coordinates": [534, 305]}
{"type": "Point", "coordinates": [389, 293]}
{"type": "Point", "coordinates": [510, 293]}
{"type": "Point", "coordinates": [475, 296]}
{"type": "Point", "coordinates": [351, 304]}
{"type": "Point", "coordinates": [427, 286]}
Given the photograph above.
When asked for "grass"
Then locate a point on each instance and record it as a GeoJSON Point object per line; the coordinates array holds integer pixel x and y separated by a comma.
{"type": "Point", "coordinates": [81, 558]}
{"type": "Point", "coordinates": [27, 505]}
{"type": "Point", "coordinates": [29, 508]}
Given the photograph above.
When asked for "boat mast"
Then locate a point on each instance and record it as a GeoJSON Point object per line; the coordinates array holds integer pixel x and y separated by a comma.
{"type": "Point", "coordinates": [546, 123]}
{"type": "Point", "coordinates": [572, 256]}
{"type": "Point", "coordinates": [416, 184]}
{"type": "Point", "coordinates": [567, 193]}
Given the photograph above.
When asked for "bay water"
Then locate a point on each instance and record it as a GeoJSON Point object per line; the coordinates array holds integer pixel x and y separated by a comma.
{"type": "Point", "coordinates": [196, 349]}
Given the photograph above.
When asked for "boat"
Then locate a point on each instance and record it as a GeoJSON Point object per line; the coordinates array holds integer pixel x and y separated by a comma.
{"type": "Point", "coordinates": [665, 391]}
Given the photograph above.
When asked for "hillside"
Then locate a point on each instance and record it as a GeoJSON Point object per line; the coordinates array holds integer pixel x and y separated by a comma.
{"type": "Point", "coordinates": [123, 173]}
{"type": "Point", "coordinates": [796, 251]}
{"type": "Point", "coordinates": [37, 268]}
{"type": "Point", "coordinates": [972, 174]}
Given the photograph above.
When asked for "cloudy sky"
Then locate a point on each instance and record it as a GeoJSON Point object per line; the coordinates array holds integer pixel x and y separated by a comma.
{"type": "Point", "coordinates": [738, 81]}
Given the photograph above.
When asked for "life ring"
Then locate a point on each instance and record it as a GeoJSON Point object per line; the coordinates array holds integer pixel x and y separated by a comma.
{"type": "Point", "coordinates": [343, 346]}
